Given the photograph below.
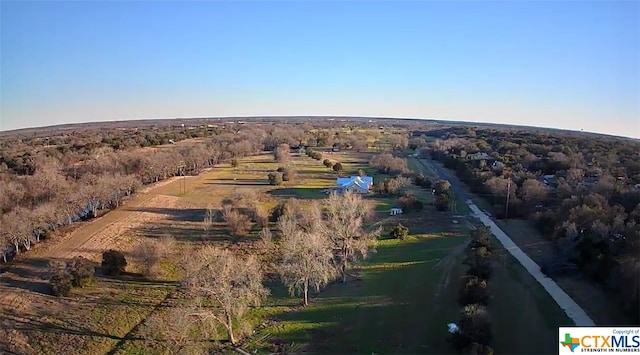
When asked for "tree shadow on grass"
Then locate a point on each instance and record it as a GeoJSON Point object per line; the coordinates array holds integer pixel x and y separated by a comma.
{"type": "Point", "coordinates": [188, 233]}
{"type": "Point", "coordinates": [390, 310]}
{"type": "Point", "coordinates": [327, 174]}
{"type": "Point", "coordinates": [240, 182]}
{"type": "Point", "coordinates": [127, 290]}
{"type": "Point", "coordinates": [299, 192]}
{"type": "Point", "coordinates": [175, 214]}
{"type": "Point", "coordinates": [35, 323]}
{"type": "Point", "coordinates": [29, 274]}
{"type": "Point", "coordinates": [136, 279]}
{"type": "Point", "coordinates": [29, 267]}
{"type": "Point", "coordinates": [37, 286]}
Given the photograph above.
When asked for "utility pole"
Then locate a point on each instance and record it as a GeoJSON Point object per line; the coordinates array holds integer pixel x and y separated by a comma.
{"type": "Point", "coordinates": [182, 182]}
{"type": "Point", "coordinates": [433, 197]}
{"type": "Point", "coordinates": [506, 207]}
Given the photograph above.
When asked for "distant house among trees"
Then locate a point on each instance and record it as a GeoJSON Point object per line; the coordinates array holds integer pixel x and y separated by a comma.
{"type": "Point", "coordinates": [356, 184]}
{"type": "Point", "coordinates": [479, 156]}
{"type": "Point", "coordinates": [550, 180]}
{"type": "Point", "coordinates": [497, 165]}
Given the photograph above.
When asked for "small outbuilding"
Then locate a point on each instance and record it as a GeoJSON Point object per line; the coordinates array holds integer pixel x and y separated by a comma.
{"type": "Point", "coordinates": [395, 211]}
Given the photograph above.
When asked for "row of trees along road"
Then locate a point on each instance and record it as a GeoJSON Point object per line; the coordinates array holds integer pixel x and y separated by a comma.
{"type": "Point", "coordinates": [581, 192]}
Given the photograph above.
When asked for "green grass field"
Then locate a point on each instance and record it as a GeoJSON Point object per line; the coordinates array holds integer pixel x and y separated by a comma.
{"type": "Point", "coordinates": [514, 291]}
{"type": "Point", "coordinates": [393, 308]}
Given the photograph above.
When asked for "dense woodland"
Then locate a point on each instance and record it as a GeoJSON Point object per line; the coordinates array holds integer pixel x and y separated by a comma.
{"type": "Point", "coordinates": [582, 193]}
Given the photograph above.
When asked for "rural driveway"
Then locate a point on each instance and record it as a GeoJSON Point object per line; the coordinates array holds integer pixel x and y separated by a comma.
{"type": "Point", "coordinates": [105, 232]}
{"type": "Point", "coordinates": [568, 305]}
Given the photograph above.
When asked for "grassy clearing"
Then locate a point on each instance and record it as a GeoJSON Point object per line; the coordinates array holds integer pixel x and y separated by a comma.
{"type": "Point", "coordinates": [389, 310]}
{"type": "Point", "coordinates": [416, 166]}
{"type": "Point", "coordinates": [514, 291]}
{"type": "Point", "coordinates": [211, 187]}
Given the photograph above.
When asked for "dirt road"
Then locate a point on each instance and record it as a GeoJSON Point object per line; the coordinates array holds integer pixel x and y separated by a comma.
{"type": "Point", "coordinates": [108, 231]}
{"type": "Point", "coordinates": [89, 239]}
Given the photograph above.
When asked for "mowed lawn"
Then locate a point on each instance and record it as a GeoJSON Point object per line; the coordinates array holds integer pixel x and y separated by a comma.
{"type": "Point", "coordinates": [251, 174]}
{"type": "Point", "coordinates": [401, 303]}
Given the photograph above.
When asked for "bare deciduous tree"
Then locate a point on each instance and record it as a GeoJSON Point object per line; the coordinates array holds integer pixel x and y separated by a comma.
{"type": "Point", "coordinates": [345, 217]}
{"type": "Point", "coordinates": [167, 245]}
{"type": "Point", "coordinates": [398, 141]}
{"type": "Point", "coordinates": [148, 254]}
{"type": "Point", "coordinates": [261, 216]}
{"type": "Point", "coordinates": [387, 164]}
{"type": "Point", "coordinates": [266, 236]}
{"type": "Point", "coordinates": [533, 191]}
{"type": "Point", "coordinates": [173, 332]}
{"type": "Point", "coordinates": [238, 223]}
{"type": "Point", "coordinates": [209, 218]}
{"type": "Point", "coordinates": [19, 228]}
{"type": "Point", "coordinates": [498, 187]}
{"type": "Point", "coordinates": [4, 241]}
{"type": "Point", "coordinates": [307, 261]}
{"type": "Point", "coordinates": [281, 154]}
{"type": "Point", "coordinates": [230, 282]}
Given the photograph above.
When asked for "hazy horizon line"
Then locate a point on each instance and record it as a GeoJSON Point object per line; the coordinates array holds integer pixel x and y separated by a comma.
{"type": "Point", "coordinates": [451, 120]}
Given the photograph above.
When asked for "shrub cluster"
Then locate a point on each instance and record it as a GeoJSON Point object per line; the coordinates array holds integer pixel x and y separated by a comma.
{"type": "Point", "coordinates": [442, 202]}
{"type": "Point", "coordinates": [113, 262]}
{"type": "Point", "coordinates": [391, 186]}
{"type": "Point", "coordinates": [474, 335]}
{"type": "Point", "coordinates": [442, 186]}
{"type": "Point", "coordinates": [422, 181]}
{"type": "Point", "coordinates": [388, 164]}
{"type": "Point", "coordinates": [275, 178]}
{"type": "Point", "coordinates": [409, 202]}
{"type": "Point", "coordinates": [288, 174]}
{"type": "Point", "coordinates": [314, 154]}
{"type": "Point", "coordinates": [399, 232]}
{"type": "Point", "coordinates": [77, 272]}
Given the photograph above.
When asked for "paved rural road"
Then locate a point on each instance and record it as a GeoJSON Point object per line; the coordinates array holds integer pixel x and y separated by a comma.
{"type": "Point", "coordinates": [568, 305]}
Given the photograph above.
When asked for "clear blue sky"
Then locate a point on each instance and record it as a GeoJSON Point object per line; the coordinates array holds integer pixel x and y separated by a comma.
{"type": "Point", "coordinates": [554, 64]}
